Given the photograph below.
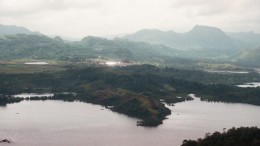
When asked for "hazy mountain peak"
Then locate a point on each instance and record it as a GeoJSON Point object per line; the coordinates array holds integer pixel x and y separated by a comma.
{"type": "Point", "coordinates": [13, 30]}
{"type": "Point", "coordinates": [153, 31]}
{"type": "Point", "coordinates": [206, 37]}
{"type": "Point", "coordinates": [202, 29]}
{"type": "Point", "coordinates": [58, 38]}
{"type": "Point", "coordinates": [154, 36]}
{"type": "Point", "coordinates": [92, 38]}
{"type": "Point", "coordinates": [148, 30]}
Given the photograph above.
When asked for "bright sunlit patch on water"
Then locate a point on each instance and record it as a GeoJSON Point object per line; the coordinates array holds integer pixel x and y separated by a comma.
{"type": "Point", "coordinates": [28, 95]}
{"type": "Point", "coordinates": [250, 85]}
{"type": "Point", "coordinates": [227, 72]}
{"type": "Point", "coordinates": [36, 63]}
{"type": "Point", "coordinates": [112, 63]}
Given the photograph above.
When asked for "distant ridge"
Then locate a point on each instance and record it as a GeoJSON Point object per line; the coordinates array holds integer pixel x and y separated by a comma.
{"type": "Point", "coordinates": [203, 42]}
{"type": "Point", "coordinates": [200, 37]}
{"type": "Point", "coordinates": [248, 57]}
{"type": "Point", "coordinates": [208, 37]}
{"type": "Point", "coordinates": [13, 30]}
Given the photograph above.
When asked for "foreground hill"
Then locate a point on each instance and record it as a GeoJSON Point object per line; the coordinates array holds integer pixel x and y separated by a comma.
{"type": "Point", "coordinates": [135, 90]}
{"type": "Point", "coordinates": [243, 136]}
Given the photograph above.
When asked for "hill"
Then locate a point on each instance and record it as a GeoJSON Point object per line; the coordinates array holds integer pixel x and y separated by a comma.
{"type": "Point", "coordinates": [133, 90]}
{"type": "Point", "coordinates": [146, 46]}
{"type": "Point", "coordinates": [155, 36]}
{"type": "Point", "coordinates": [119, 48]}
{"type": "Point", "coordinates": [22, 46]}
{"type": "Point", "coordinates": [198, 38]}
{"type": "Point", "coordinates": [13, 30]}
{"type": "Point", "coordinates": [244, 136]}
{"type": "Point", "coordinates": [250, 39]}
{"type": "Point", "coordinates": [206, 37]}
{"type": "Point", "coordinates": [200, 41]}
{"type": "Point", "coordinates": [40, 47]}
{"type": "Point", "coordinates": [248, 57]}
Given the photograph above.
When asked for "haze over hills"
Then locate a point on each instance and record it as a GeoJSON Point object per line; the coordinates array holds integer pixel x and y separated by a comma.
{"type": "Point", "coordinates": [206, 37]}
{"type": "Point", "coordinates": [39, 47]}
{"type": "Point", "coordinates": [198, 38]}
{"type": "Point", "coordinates": [161, 70]}
{"type": "Point", "coordinates": [248, 57]}
{"type": "Point", "coordinates": [146, 45]}
{"type": "Point", "coordinates": [119, 48]}
{"type": "Point", "coordinates": [247, 37]}
{"type": "Point", "coordinates": [13, 30]}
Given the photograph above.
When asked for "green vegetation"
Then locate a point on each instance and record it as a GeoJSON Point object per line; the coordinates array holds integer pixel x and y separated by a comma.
{"type": "Point", "coordinates": [23, 68]}
{"type": "Point", "coordinates": [248, 57]}
{"type": "Point", "coordinates": [21, 48]}
{"type": "Point", "coordinates": [133, 90]}
{"type": "Point", "coordinates": [39, 47]}
{"type": "Point", "coordinates": [8, 99]}
{"type": "Point", "coordinates": [244, 136]}
{"type": "Point", "coordinates": [218, 49]}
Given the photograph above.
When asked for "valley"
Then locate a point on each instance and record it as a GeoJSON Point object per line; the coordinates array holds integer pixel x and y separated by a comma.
{"type": "Point", "coordinates": [150, 77]}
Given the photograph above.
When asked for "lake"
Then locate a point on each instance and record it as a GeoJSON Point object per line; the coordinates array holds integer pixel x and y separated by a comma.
{"type": "Point", "coordinates": [36, 63]}
{"type": "Point", "coordinates": [26, 95]}
{"type": "Point", "coordinates": [250, 85]}
{"type": "Point", "coordinates": [59, 123]}
{"type": "Point", "coordinates": [227, 72]}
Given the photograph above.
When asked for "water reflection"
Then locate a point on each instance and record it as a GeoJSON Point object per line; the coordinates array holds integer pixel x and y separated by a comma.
{"type": "Point", "coordinates": [28, 95]}
{"type": "Point", "coordinates": [74, 123]}
{"type": "Point", "coordinates": [250, 85]}
{"type": "Point", "coordinates": [36, 63]}
{"type": "Point", "coordinates": [227, 72]}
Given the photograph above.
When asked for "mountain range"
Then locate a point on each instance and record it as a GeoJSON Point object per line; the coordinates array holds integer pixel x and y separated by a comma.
{"type": "Point", "coordinates": [201, 42]}
{"type": "Point", "coordinates": [40, 47]}
{"type": "Point", "coordinates": [199, 37]}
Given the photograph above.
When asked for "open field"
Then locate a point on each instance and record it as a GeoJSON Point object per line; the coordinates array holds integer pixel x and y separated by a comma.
{"type": "Point", "coordinates": [24, 68]}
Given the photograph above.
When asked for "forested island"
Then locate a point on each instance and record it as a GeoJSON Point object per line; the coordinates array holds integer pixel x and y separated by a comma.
{"type": "Point", "coordinates": [244, 136]}
{"type": "Point", "coordinates": [136, 91]}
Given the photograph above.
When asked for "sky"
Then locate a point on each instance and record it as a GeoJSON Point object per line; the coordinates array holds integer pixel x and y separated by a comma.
{"type": "Point", "coordinates": [79, 18]}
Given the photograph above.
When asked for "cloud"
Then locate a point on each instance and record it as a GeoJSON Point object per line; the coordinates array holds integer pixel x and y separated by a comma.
{"type": "Point", "coordinates": [104, 17]}
{"type": "Point", "coordinates": [27, 7]}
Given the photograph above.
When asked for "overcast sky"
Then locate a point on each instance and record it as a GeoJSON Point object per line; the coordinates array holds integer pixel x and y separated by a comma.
{"type": "Point", "coordinates": [79, 18]}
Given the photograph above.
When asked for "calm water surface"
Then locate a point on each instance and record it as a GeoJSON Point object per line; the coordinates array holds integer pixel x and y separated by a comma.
{"type": "Point", "coordinates": [250, 85]}
{"type": "Point", "coordinates": [227, 72]}
{"type": "Point", "coordinates": [25, 95]}
{"type": "Point", "coordinates": [59, 123]}
{"type": "Point", "coordinates": [36, 63]}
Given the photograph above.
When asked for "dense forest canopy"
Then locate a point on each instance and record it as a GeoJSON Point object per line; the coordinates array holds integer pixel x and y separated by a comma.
{"type": "Point", "coordinates": [130, 86]}
{"type": "Point", "coordinates": [244, 136]}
